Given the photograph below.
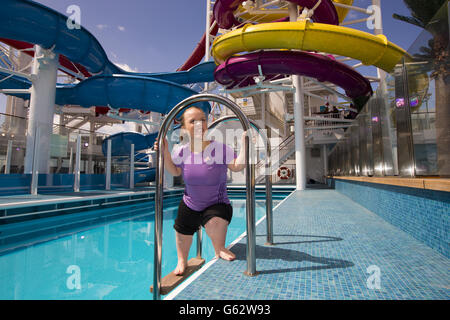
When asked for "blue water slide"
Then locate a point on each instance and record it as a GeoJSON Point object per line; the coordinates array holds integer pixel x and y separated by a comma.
{"type": "Point", "coordinates": [15, 82]}
{"type": "Point", "coordinates": [121, 142]}
{"type": "Point", "coordinates": [123, 91]}
{"type": "Point", "coordinates": [29, 21]}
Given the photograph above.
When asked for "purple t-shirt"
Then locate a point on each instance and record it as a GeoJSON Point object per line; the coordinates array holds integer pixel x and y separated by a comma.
{"type": "Point", "coordinates": [204, 174]}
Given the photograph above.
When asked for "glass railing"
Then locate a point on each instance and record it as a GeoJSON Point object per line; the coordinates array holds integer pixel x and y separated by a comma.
{"type": "Point", "coordinates": [404, 128]}
{"type": "Point", "coordinates": [66, 159]}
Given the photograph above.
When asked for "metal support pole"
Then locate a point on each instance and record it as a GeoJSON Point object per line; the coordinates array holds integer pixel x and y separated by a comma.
{"type": "Point", "coordinates": [108, 166]}
{"type": "Point", "coordinates": [199, 242]}
{"type": "Point", "coordinates": [34, 169]}
{"type": "Point", "coordinates": [207, 35]}
{"type": "Point", "coordinates": [76, 184]}
{"type": "Point", "coordinates": [269, 202]}
{"type": "Point", "coordinates": [42, 107]}
{"type": "Point", "coordinates": [71, 161]}
{"type": "Point", "coordinates": [131, 166]}
{"type": "Point", "coordinates": [300, 152]}
{"type": "Point", "coordinates": [325, 160]}
{"type": "Point", "coordinates": [376, 31]}
{"type": "Point", "coordinates": [8, 157]}
{"type": "Point", "coordinates": [250, 181]}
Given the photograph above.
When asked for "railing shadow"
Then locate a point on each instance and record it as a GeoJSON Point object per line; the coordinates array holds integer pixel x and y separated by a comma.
{"type": "Point", "coordinates": [275, 253]}
{"type": "Point", "coordinates": [323, 238]}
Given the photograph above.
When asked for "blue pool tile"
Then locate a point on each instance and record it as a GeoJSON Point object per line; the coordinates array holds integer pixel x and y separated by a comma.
{"type": "Point", "coordinates": [324, 245]}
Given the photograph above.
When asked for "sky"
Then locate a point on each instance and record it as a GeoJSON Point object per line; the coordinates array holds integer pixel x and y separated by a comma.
{"type": "Point", "coordinates": [159, 35]}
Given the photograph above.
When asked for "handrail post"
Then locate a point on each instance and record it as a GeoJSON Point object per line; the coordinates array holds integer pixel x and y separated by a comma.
{"type": "Point", "coordinates": [34, 170]}
{"type": "Point", "coordinates": [132, 166]}
{"type": "Point", "coordinates": [199, 242]}
{"type": "Point", "coordinates": [76, 181]}
{"type": "Point", "coordinates": [8, 158]}
{"type": "Point", "coordinates": [269, 202]}
{"type": "Point", "coordinates": [108, 165]}
{"type": "Point", "coordinates": [250, 209]}
{"type": "Point", "coordinates": [250, 180]}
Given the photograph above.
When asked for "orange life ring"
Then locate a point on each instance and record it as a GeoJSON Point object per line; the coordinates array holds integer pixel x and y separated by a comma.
{"type": "Point", "coordinates": [284, 173]}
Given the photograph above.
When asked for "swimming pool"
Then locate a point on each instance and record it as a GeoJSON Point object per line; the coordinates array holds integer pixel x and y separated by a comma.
{"type": "Point", "coordinates": [113, 260]}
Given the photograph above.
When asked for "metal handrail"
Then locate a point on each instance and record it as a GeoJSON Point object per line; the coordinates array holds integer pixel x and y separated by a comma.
{"type": "Point", "coordinates": [250, 182]}
{"type": "Point", "coordinates": [268, 180]}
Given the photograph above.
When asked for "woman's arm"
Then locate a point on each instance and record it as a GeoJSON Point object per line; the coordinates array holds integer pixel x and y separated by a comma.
{"type": "Point", "coordinates": [168, 162]}
{"type": "Point", "coordinates": [239, 163]}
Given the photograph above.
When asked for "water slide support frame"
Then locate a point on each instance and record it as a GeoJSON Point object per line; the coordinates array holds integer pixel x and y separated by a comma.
{"type": "Point", "coordinates": [42, 107]}
{"type": "Point", "coordinates": [207, 36]}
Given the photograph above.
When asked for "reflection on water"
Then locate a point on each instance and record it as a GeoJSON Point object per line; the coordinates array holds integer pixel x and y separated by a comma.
{"type": "Point", "coordinates": [113, 261]}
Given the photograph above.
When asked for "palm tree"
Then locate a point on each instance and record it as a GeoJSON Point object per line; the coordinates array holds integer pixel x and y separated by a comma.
{"type": "Point", "coordinates": [432, 15]}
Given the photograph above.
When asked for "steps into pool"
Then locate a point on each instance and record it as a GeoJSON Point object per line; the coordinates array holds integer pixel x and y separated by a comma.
{"type": "Point", "coordinates": [171, 281]}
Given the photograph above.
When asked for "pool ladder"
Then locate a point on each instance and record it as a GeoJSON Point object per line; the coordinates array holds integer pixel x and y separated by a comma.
{"type": "Point", "coordinates": [250, 189]}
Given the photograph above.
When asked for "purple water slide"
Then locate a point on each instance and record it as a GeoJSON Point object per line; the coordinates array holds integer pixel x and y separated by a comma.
{"type": "Point", "coordinates": [240, 70]}
{"type": "Point", "coordinates": [224, 11]}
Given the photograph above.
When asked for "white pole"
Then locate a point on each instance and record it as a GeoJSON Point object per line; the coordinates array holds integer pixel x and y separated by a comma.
{"type": "Point", "coordinates": [132, 167]}
{"type": "Point", "coordinates": [325, 161]}
{"type": "Point", "coordinates": [378, 29]}
{"type": "Point", "coordinates": [71, 161]}
{"type": "Point", "coordinates": [42, 107]}
{"type": "Point", "coordinates": [8, 157]}
{"type": "Point", "coordinates": [76, 184]}
{"type": "Point", "coordinates": [263, 110]}
{"type": "Point", "coordinates": [300, 152]}
{"type": "Point", "coordinates": [34, 167]}
{"type": "Point", "coordinates": [108, 166]}
{"type": "Point", "coordinates": [207, 37]}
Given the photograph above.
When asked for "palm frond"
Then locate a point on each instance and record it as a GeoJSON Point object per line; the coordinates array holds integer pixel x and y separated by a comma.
{"type": "Point", "coordinates": [410, 20]}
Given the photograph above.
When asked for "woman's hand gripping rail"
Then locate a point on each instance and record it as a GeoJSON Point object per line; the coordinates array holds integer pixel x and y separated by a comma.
{"type": "Point", "coordinates": [168, 162]}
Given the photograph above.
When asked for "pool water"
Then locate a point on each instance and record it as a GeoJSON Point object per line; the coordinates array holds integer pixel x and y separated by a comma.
{"type": "Point", "coordinates": [111, 261]}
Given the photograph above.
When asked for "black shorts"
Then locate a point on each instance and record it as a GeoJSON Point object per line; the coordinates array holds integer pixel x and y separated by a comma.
{"type": "Point", "coordinates": [188, 221]}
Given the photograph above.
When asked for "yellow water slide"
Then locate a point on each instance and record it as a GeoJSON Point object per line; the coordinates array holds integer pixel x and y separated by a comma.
{"type": "Point", "coordinates": [309, 36]}
{"type": "Point", "coordinates": [269, 17]}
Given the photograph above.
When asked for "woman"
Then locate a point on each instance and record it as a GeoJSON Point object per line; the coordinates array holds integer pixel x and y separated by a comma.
{"type": "Point", "coordinates": [203, 165]}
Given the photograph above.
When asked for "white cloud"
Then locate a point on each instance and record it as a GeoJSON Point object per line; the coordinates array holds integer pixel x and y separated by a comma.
{"type": "Point", "coordinates": [352, 15]}
{"type": "Point", "coordinates": [126, 67]}
{"type": "Point", "coordinates": [121, 28]}
{"type": "Point", "coordinates": [101, 26]}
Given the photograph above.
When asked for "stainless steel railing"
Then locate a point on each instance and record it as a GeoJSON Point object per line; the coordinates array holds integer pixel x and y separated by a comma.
{"type": "Point", "coordinates": [268, 173]}
{"type": "Point", "coordinates": [250, 182]}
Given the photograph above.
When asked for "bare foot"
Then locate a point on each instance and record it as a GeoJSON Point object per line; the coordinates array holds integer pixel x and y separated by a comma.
{"type": "Point", "coordinates": [179, 270]}
{"type": "Point", "coordinates": [226, 254]}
